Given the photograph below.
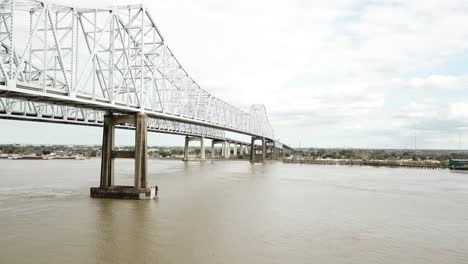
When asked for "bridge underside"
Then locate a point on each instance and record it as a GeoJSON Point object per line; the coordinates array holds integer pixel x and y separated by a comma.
{"type": "Point", "coordinates": [141, 124]}
{"type": "Point", "coordinates": [140, 189]}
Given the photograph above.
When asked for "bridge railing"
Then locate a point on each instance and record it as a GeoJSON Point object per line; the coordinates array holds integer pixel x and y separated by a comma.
{"type": "Point", "coordinates": [114, 59]}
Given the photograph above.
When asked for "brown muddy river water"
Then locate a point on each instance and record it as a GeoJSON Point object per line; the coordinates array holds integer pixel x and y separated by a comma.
{"type": "Point", "coordinates": [233, 212]}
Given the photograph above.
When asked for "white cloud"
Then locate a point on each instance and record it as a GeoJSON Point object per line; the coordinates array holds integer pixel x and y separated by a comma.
{"type": "Point", "coordinates": [443, 82]}
{"type": "Point", "coordinates": [459, 110]}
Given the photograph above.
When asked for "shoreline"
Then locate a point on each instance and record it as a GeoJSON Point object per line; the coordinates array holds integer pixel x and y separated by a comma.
{"type": "Point", "coordinates": [387, 164]}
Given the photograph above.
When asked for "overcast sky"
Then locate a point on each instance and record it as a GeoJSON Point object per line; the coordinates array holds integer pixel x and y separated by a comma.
{"type": "Point", "coordinates": [353, 73]}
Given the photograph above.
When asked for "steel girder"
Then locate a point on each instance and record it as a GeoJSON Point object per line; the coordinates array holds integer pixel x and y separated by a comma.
{"type": "Point", "coordinates": [88, 61]}
{"type": "Point", "coordinates": [42, 112]}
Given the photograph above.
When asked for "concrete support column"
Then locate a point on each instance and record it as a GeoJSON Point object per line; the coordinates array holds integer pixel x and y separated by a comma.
{"type": "Point", "coordinates": [235, 150]}
{"type": "Point", "coordinates": [228, 150]}
{"type": "Point", "coordinates": [202, 148]}
{"type": "Point", "coordinates": [107, 162]}
{"type": "Point", "coordinates": [252, 150]}
{"type": "Point", "coordinates": [212, 149]}
{"type": "Point", "coordinates": [186, 148]}
{"type": "Point", "coordinates": [141, 151]}
{"type": "Point", "coordinates": [264, 149]}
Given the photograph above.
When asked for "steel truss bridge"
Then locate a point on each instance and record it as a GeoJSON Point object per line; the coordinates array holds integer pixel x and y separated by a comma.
{"type": "Point", "coordinates": [111, 68]}
{"type": "Point", "coordinates": [71, 65]}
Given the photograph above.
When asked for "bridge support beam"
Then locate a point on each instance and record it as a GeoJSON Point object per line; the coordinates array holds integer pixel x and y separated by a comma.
{"type": "Point", "coordinates": [107, 188]}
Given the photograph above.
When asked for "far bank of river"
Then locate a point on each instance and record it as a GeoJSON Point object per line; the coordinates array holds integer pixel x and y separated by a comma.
{"type": "Point", "coordinates": [374, 163]}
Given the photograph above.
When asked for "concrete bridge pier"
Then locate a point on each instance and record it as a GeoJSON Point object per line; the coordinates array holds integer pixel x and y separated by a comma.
{"type": "Point", "coordinates": [187, 147]}
{"type": "Point", "coordinates": [235, 150]}
{"type": "Point", "coordinates": [216, 153]}
{"type": "Point", "coordinates": [107, 188]}
{"type": "Point", "coordinates": [253, 155]}
{"type": "Point", "coordinates": [202, 148]}
{"type": "Point", "coordinates": [241, 150]}
{"type": "Point", "coordinates": [212, 149]}
{"type": "Point", "coordinates": [275, 155]}
{"type": "Point", "coordinates": [227, 150]}
{"type": "Point", "coordinates": [223, 149]}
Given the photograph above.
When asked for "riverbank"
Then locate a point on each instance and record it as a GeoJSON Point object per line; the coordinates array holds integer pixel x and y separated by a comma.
{"type": "Point", "coordinates": [373, 163]}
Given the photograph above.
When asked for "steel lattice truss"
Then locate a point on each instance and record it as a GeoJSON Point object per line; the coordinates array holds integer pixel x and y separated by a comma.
{"type": "Point", "coordinates": [75, 64]}
{"type": "Point", "coordinates": [43, 112]}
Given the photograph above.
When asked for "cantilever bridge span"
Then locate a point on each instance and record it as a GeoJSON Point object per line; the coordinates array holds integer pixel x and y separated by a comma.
{"type": "Point", "coordinates": [111, 68]}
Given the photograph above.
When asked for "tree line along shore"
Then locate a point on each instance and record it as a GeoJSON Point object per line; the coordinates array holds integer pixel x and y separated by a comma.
{"type": "Point", "coordinates": [418, 158]}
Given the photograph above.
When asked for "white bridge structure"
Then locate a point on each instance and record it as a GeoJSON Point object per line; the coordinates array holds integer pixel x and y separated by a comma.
{"type": "Point", "coordinates": [112, 68]}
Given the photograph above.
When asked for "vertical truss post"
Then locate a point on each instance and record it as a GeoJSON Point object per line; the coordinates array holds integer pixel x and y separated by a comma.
{"type": "Point", "coordinates": [142, 51]}
{"type": "Point", "coordinates": [111, 57]}
{"type": "Point", "coordinates": [11, 36]}
{"type": "Point", "coordinates": [44, 70]}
